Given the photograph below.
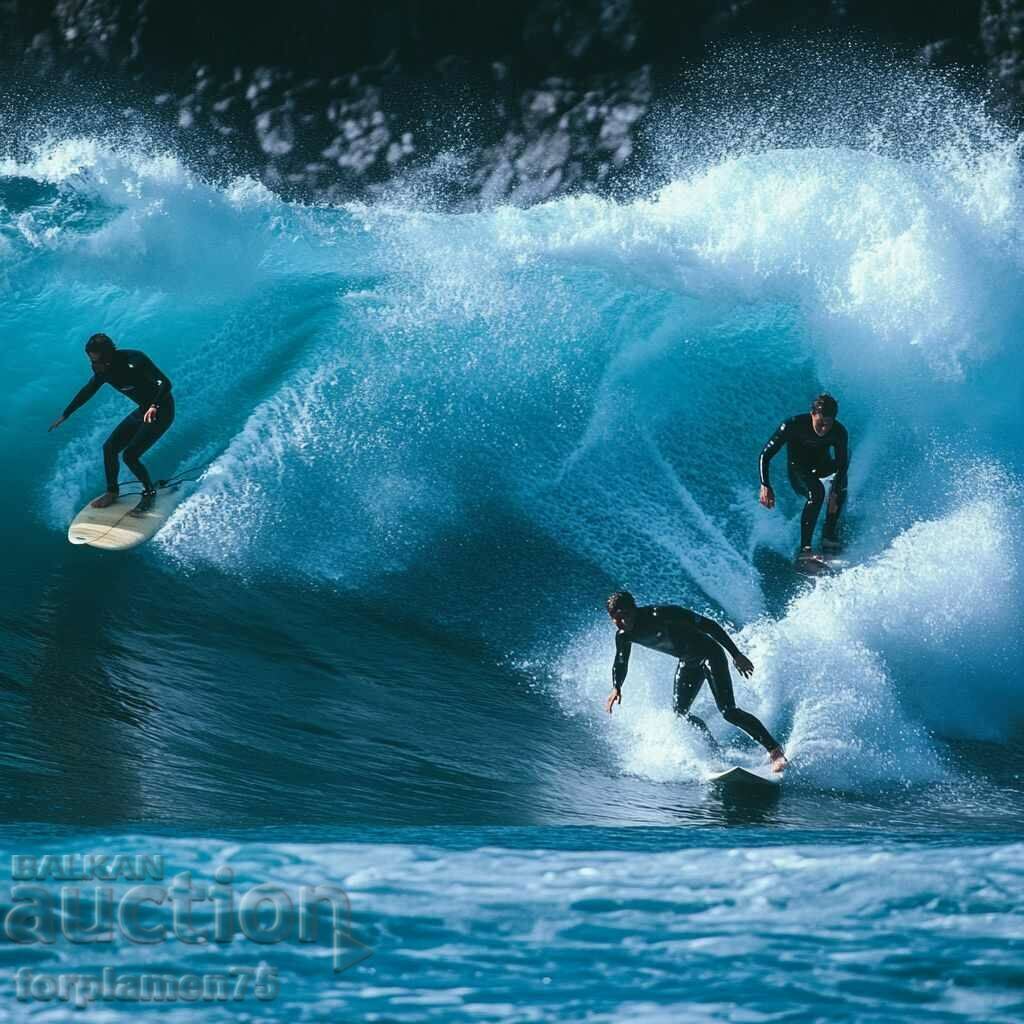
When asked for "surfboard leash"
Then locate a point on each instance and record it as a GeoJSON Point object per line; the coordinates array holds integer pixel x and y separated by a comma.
{"type": "Point", "coordinates": [189, 475]}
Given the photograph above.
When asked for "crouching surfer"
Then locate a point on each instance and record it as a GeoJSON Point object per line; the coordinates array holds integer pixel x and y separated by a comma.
{"type": "Point", "coordinates": [700, 644]}
{"type": "Point", "coordinates": [136, 376]}
{"type": "Point", "coordinates": [808, 439]}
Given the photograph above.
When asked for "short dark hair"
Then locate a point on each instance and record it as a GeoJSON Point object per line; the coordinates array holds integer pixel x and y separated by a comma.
{"type": "Point", "coordinates": [825, 404]}
{"type": "Point", "coordinates": [620, 601]}
{"type": "Point", "coordinates": [99, 343]}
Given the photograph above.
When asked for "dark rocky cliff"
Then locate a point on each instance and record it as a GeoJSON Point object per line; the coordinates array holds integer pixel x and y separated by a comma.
{"type": "Point", "coordinates": [531, 99]}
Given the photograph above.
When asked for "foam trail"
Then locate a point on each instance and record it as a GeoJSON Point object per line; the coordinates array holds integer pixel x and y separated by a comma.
{"type": "Point", "coordinates": [828, 673]}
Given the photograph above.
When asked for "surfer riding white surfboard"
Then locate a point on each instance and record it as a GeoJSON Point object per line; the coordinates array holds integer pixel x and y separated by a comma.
{"type": "Point", "coordinates": [700, 644]}
{"type": "Point", "coordinates": [136, 376]}
{"type": "Point", "coordinates": [807, 439]}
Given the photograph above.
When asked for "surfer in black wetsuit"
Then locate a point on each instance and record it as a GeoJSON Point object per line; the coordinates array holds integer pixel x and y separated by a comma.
{"type": "Point", "coordinates": [700, 645]}
{"type": "Point", "coordinates": [808, 438]}
{"type": "Point", "coordinates": [135, 375]}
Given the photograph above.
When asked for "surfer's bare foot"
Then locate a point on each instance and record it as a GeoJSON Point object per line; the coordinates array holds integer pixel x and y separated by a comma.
{"type": "Point", "coordinates": [779, 760]}
{"type": "Point", "coordinates": [104, 500]}
{"type": "Point", "coordinates": [806, 555]}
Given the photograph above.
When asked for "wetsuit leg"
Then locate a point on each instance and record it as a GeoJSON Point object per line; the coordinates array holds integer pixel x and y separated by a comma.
{"type": "Point", "coordinates": [828, 531]}
{"type": "Point", "coordinates": [689, 679]}
{"type": "Point", "coordinates": [805, 483]}
{"type": "Point", "coordinates": [826, 467]}
{"type": "Point", "coordinates": [122, 436]}
{"type": "Point", "coordinates": [144, 438]}
{"type": "Point", "coordinates": [721, 686]}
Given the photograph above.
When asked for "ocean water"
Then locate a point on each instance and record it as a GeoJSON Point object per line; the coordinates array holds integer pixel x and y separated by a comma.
{"type": "Point", "coordinates": [370, 646]}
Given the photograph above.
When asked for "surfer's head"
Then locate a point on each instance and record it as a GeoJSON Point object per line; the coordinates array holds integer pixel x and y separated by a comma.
{"type": "Point", "coordinates": [622, 609]}
{"type": "Point", "coordinates": [823, 413]}
{"type": "Point", "coordinates": [100, 350]}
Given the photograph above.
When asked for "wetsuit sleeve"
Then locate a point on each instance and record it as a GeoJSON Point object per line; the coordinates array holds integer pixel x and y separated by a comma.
{"type": "Point", "coordinates": [156, 375]}
{"type": "Point", "coordinates": [842, 448]}
{"type": "Point", "coordinates": [621, 664]}
{"type": "Point", "coordinates": [719, 635]}
{"type": "Point", "coordinates": [770, 450]}
{"type": "Point", "coordinates": [83, 396]}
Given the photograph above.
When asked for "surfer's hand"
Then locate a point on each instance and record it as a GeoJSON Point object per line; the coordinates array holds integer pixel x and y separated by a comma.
{"type": "Point", "coordinates": [56, 423]}
{"type": "Point", "coordinates": [767, 497]}
{"type": "Point", "coordinates": [615, 697]}
{"type": "Point", "coordinates": [744, 665]}
{"type": "Point", "coordinates": [150, 414]}
{"type": "Point", "coordinates": [833, 503]}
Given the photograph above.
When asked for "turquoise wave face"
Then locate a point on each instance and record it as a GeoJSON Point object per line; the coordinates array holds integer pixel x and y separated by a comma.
{"type": "Point", "coordinates": [449, 436]}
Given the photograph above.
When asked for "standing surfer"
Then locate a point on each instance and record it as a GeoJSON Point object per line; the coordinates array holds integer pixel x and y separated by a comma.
{"type": "Point", "coordinates": [808, 438]}
{"type": "Point", "coordinates": [700, 645]}
{"type": "Point", "coordinates": [135, 375]}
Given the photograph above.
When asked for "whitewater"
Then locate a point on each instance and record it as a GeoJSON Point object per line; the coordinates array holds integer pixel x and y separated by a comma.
{"type": "Point", "coordinates": [431, 443]}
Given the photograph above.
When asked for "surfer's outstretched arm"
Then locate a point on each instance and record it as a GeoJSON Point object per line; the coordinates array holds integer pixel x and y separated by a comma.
{"type": "Point", "coordinates": [620, 666]}
{"type": "Point", "coordinates": [768, 452]}
{"type": "Point", "coordinates": [79, 400]}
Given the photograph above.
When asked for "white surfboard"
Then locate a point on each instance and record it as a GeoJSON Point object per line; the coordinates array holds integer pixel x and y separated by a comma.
{"type": "Point", "coordinates": [739, 776]}
{"type": "Point", "coordinates": [114, 528]}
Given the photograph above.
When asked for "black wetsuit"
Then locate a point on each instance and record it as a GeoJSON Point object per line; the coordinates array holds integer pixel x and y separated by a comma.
{"type": "Point", "coordinates": [808, 460]}
{"type": "Point", "coordinates": [135, 375]}
{"type": "Point", "coordinates": [698, 644]}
